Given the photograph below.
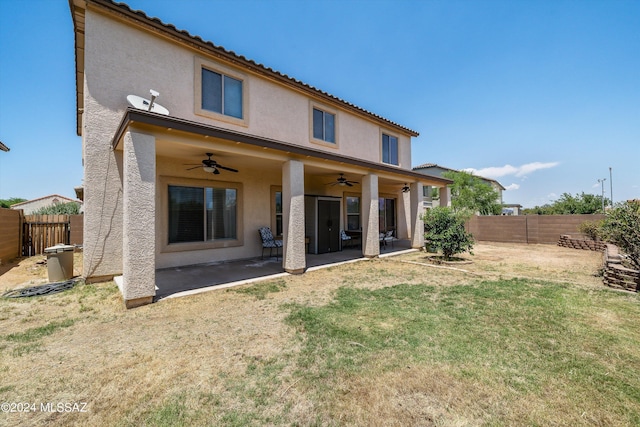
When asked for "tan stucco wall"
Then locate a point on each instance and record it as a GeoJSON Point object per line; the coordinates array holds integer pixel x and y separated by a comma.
{"type": "Point", "coordinates": [122, 60]}
{"type": "Point", "coordinates": [256, 212]}
{"type": "Point", "coordinates": [139, 205]}
{"type": "Point", "coordinates": [274, 111]}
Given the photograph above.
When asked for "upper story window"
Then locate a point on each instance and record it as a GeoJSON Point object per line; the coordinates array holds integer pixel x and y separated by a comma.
{"type": "Point", "coordinates": [324, 125]}
{"type": "Point", "coordinates": [389, 149]}
{"type": "Point", "coordinates": [221, 94]}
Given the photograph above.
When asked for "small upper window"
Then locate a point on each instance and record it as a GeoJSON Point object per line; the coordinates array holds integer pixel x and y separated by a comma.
{"type": "Point", "coordinates": [389, 149]}
{"type": "Point", "coordinates": [221, 94]}
{"type": "Point", "coordinates": [324, 125]}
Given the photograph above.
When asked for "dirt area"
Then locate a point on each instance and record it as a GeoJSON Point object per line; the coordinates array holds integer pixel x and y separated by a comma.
{"type": "Point", "coordinates": [31, 271]}
{"type": "Point", "coordinates": [125, 363]}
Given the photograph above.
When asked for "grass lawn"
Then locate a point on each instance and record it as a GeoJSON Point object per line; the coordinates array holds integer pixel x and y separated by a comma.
{"type": "Point", "coordinates": [525, 335]}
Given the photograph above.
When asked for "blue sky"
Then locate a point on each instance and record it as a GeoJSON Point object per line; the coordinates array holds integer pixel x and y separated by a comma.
{"type": "Point", "coordinates": [543, 96]}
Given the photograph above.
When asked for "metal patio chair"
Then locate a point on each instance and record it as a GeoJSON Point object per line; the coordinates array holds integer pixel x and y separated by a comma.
{"type": "Point", "coordinates": [345, 239]}
{"type": "Point", "coordinates": [268, 241]}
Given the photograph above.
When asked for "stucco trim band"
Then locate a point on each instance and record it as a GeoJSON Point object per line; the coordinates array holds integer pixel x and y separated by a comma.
{"type": "Point", "coordinates": [140, 117]}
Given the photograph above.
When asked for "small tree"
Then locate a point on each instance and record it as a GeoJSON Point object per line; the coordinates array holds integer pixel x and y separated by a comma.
{"type": "Point", "coordinates": [621, 227]}
{"type": "Point", "coordinates": [470, 192]}
{"type": "Point", "coordinates": [444, 229]}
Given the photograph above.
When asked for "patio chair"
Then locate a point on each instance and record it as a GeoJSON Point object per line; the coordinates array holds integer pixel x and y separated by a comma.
{"type": "Point", "coordinates": [388, 237]}
{"type": "Point", "coordinates": [345, 239]}
{"type": "Point", "coordinates": [268, 241]}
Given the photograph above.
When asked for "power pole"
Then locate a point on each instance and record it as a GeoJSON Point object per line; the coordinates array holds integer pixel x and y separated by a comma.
{"type": "Point", "coordinates": [611, 184]}
{"type": "Point", "coordinates": [601, 181]}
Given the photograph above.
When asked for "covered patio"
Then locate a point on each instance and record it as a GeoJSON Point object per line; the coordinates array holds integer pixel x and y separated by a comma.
{"type": "Point", "coordinates": [295, 190]}
{"type": "Point", "coordinates": [190, 280]}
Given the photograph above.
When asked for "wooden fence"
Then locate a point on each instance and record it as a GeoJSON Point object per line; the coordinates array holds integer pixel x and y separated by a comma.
{"type": "Point", "coordinates": [527, 228]}
{"type": "Point", "coordinates": [10, 234]}
{"type": "Point", "coordinates": [28, 235]}
{"type": "Point", "coordinates": [41, 231]}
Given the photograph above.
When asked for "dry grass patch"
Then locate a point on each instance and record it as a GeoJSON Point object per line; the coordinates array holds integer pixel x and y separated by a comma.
{"type": "Point", "coordinates": [377, 342]}
{"type": "Point", "coordinates": [549, 262]}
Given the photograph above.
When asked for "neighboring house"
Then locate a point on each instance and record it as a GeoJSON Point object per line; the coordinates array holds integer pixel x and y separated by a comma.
{"type": "Point", "coordinates": [511, 209]}
{"type": "Point", "coordinates": [444, 198]}
{"type": "Point", "coordinates": [151, 203]}
{"type": "Point", "coordinates": [30, 206]}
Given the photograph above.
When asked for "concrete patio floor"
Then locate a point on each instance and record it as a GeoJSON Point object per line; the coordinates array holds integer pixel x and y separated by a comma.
{"type": "Point", "coordinates": [189, 280]}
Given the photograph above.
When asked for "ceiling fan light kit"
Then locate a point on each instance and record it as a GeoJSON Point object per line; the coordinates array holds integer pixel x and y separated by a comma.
{"type": "Point", "coordinates": [342, 181]}
{"type": "Point", "coordinates": [211, 166]}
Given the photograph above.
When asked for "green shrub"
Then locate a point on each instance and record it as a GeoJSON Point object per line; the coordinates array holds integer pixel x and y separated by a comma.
{"type": "Point", "coordinates": [71, 208]}
{"type": "Point", "coordinates": [591, 229]}
{"type": "Point", "coordinates": [622, 228]}
{"type": "Point", "coordinates": [444, 230]}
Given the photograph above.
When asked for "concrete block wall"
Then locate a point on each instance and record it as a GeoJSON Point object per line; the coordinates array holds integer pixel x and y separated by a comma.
{"type": "Point", "coordinates": [534, 229]}
{"type": "Point", "coordinates": [615, 274]}
{"type": "Point", "coordinates": [590, 245]}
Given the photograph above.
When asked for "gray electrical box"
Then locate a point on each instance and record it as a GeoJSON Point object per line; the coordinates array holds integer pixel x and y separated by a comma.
{"type": "Point", "coordinates": [59, 262]}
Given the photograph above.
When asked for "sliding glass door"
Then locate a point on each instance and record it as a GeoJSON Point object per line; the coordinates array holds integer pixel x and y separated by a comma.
{"type": "Point", "coordinates": [387, 212]}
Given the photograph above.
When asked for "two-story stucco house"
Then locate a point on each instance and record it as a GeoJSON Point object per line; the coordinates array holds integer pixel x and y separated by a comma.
{"type": "Point", "coordinates": [151, 203]}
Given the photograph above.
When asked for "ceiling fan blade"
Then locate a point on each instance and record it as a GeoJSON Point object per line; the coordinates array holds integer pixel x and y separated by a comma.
{"type": "Point", "coordinates": [195, 167]}
{"type": "Point", "coordinates": [348, 184]}
{"type": "Point", "coordinates": [226, 168]}
{"type": "Point", "coordinates": [216, 171]}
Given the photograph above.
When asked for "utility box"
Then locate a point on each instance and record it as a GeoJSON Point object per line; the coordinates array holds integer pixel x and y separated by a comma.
{"type": "Point", "coordinates": [59, 262]}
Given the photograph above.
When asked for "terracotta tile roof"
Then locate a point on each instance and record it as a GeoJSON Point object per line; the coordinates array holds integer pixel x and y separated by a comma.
{"type": "Point", "coordinates": [249, 63]}
{"type": "Point", "coordinates": [427, 165]}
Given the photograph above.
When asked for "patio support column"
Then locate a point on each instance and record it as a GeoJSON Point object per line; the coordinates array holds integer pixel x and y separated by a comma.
{"type": "Point", "coordinates": [370, 216]}
{"type": "Point", "coordinates": [417, 226]}
{"type": "Point", "coordinates": [445, 196]}
{"type": "Point", "coordinates": [139, 219]}
{"type": "Point", "coordinates": [293, 231]}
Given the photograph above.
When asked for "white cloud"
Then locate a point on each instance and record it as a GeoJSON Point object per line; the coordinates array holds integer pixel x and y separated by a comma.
{"type": "Point", "coordinates": [519, 171]}
{"type": "Point", "coordinates": [512, 187]}
{"type": "Point", "coordinates": [535, 166]}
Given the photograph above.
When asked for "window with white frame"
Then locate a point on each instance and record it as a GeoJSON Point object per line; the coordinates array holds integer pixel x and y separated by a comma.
{"type": "Point", "coordinates": [353, 213]}
{"type": "Point", "coordinates": [389, 149]}
{"type": "Point", "coordinates": [200, 214]}
{"type": "Point", "coordinates": [324, 125]}
{"type": "Point", "coordinates": [221, 93]}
